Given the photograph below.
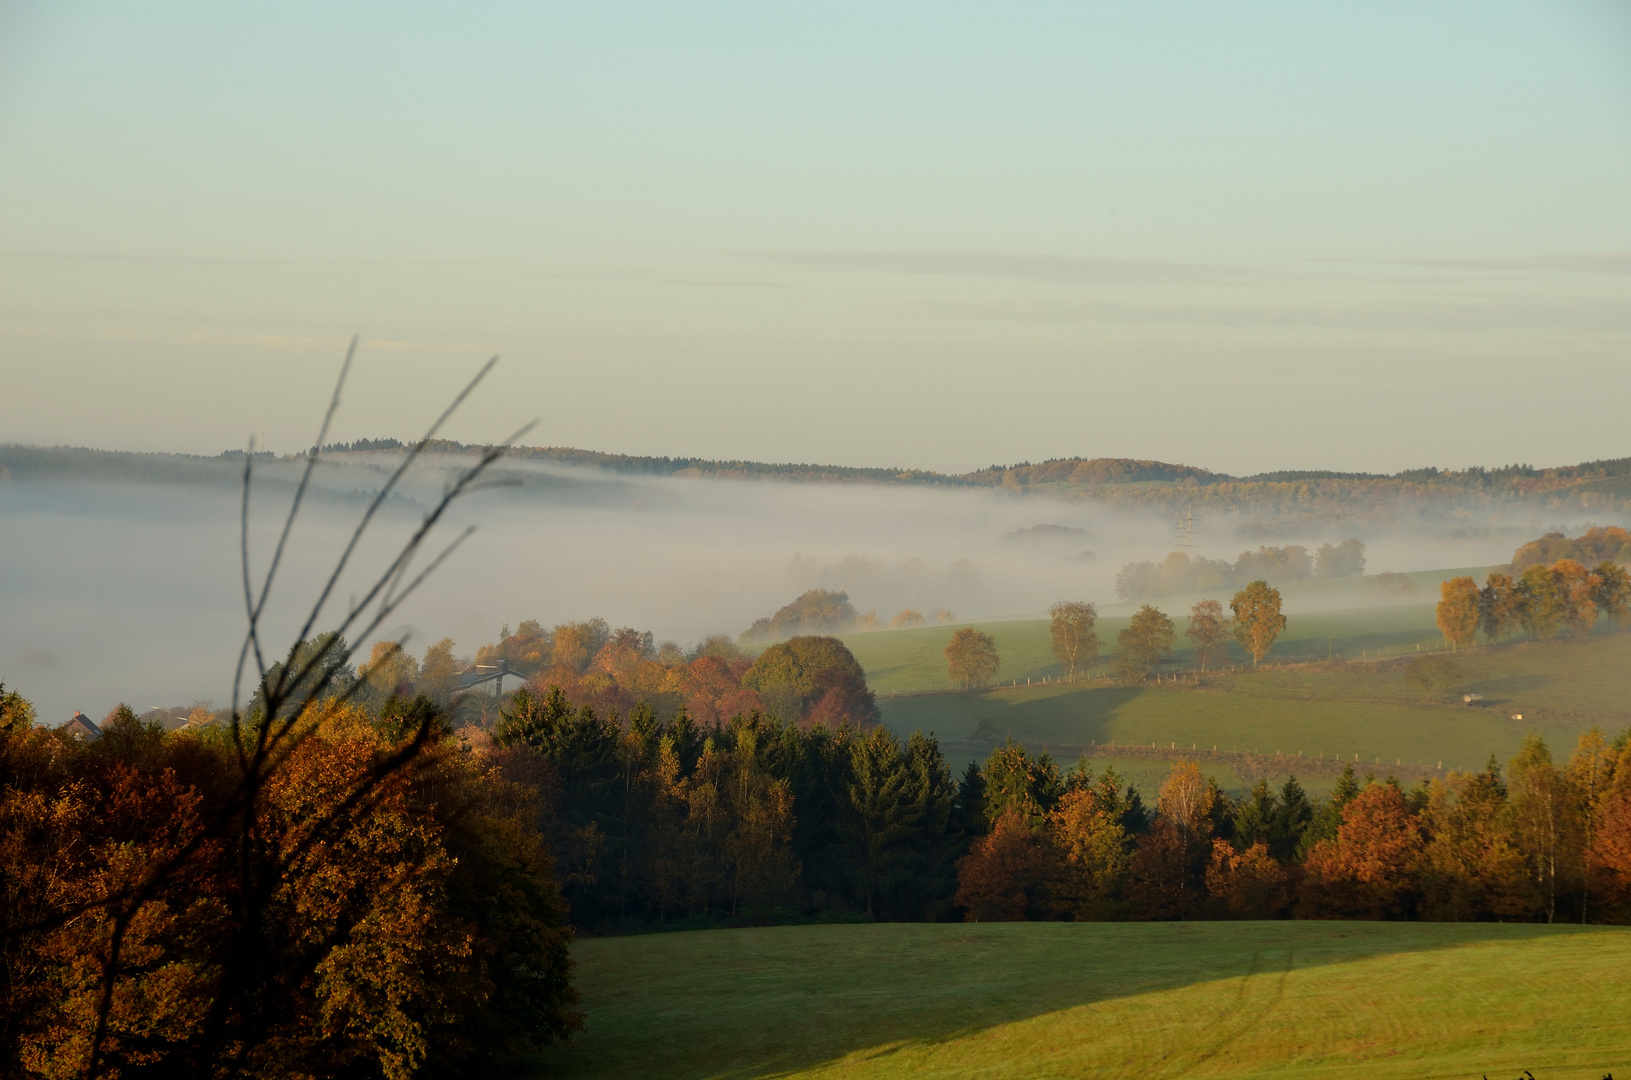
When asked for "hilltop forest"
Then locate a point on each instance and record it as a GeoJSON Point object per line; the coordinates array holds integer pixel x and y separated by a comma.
{"type": "Point", "coordinates": [1596, 487]}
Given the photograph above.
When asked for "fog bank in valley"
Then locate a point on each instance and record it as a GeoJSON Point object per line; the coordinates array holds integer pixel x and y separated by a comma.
{"type": "Point", "coordinates": [130, 589]}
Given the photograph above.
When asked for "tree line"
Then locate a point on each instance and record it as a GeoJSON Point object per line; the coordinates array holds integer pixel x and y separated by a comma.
{"type": "Point", "coordinates": [1311, 496]}
{"type": "Point", "coordinates": [1542, 601]}
{"type": "Point", "coordinates": [1535, 841]}
{"type": "Point", "coordinates": [1146, 643]}
{"type": "Point", "coordinates": [801, 680]}
{"type": "Point", "coordinates": [1596, 545]}
{"type": "Point", "coordinates": [759, 820]}
{"type": "Point", "coordinates": [1181, 572]}
{"type": "Point", "coordinates": [762, 821]}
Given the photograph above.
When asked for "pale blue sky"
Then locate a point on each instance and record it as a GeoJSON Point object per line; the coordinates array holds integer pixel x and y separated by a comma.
{"type": "Point", "coordinates": [1244, 236]}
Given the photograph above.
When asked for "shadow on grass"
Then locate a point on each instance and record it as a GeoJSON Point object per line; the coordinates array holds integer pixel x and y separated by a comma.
{"type": "Point", "coordinates": [1073, 714]}
{"type": "Point", "coordinates": [765, 1002]}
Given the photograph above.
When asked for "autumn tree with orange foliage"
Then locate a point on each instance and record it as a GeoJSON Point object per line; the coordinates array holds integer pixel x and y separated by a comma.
{"type": "Point", "coordinates": [1544, 609]}
{"type": "Point", "coordinates": [971, 658]}
{"type": "Point", "coordinates": [1168, 866]}
{"type": "Point", "coordinates": [1369, 870]}
{"type": "Point", "coordinates": [1458, 615]}
{"type": "Point", "coordinates": [1248, 884]}
{"type": "Point", "coordinates": [416, 930]}
{"type": "Point", "coordinates": [1001, 878]}
{"type": "Point", "coordinates": [1090, 857]}
{"type": "Point", "coordinates": [306, 889]}
{"type": "Point", "coordinates": [1577, 590]}
{"type": "Point", "coordinates": [1257, 618]}
{"type": "Point", "coordinates": [1613, 597]}
{"type": "Point", "coordinates": [1599, 544]}
{"type": "Point", "coordinates": [1589, 774]}
{"type": "Point", "coordinates": [1500, 606]}
{"type": "Point", "coordinates": [1610, 851]}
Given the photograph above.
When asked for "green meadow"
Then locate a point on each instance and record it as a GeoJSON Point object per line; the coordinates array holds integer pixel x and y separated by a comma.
{"type": "Point", "coordinates": [1025, 1000]}
{"type": "Point", "coordinates": [1333, 687]}
{"type": "Point", "coordinates": [1340, 618]}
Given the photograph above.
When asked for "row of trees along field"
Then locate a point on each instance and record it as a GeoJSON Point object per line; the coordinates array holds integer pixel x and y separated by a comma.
{"type": "Point", "coordinates": [1544, 601]}
{"type": "Point", "coordinates": [1181, 572]}
{"type": "Point", "coordinates": [1141, 647]}
{"type": "Point", "coordinates": [1535, 841]}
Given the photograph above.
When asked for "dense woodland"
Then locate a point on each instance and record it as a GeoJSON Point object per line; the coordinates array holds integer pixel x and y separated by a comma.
{"type": "Point", "coordinates": [1535, 841]}
{"type": "Point", "coordinates": [381, 904]}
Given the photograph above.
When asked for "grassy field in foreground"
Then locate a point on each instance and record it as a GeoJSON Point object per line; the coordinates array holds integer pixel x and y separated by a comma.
{"type": "Point", "coordinates": [1001, 1000]}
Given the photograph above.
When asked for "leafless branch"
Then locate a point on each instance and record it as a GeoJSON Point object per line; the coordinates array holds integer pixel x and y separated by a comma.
{"type": "Point", "coordinates": [302, 682]}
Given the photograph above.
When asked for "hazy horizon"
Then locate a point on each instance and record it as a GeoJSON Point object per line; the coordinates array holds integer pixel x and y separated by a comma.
{"type": "Point", "coordinates": [1262, 237]}
{"type": "Point", "coordinates": [131, 590]}
{"type": "Point", "coordinates": [918, 236]}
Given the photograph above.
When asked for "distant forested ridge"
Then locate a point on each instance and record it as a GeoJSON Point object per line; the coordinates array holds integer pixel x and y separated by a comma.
{"type": "Point", "coordinates": [50, 463]}
{"type": "Point", "coordinates": [1595, 486]}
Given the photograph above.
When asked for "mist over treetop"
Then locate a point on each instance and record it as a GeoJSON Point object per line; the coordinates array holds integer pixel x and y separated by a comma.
{"type": "Point", "coordinates": [1603, 485]}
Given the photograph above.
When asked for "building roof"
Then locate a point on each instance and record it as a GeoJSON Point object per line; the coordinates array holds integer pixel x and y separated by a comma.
{"type": "Point", "coordinates": [82, 727]}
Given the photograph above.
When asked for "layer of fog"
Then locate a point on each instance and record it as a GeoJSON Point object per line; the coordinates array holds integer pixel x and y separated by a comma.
{"type": "Point", "coordinates": [133, 592]}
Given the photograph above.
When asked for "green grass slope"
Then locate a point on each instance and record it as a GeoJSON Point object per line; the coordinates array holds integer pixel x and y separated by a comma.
{"type": "Point", "coordinates": [1285, 999]}
{"type": "Point", "coordinates": [1559, 688]}
{"type": "Point", "coordinates": [1297, 704]}
{"type": "Point", "coordinates": [907, 661]}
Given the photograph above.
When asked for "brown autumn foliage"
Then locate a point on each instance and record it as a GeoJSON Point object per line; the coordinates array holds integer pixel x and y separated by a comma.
{"type": "Point", "coordinates": [1166, 874]}
{"type": "Point", "coordinates": [1001, 877]}
{"type": "Point", "coordinates": [971, 658]}
{"type": "Point", "coordinates": [1088, 856]}
{"type": "Point", "coordinates": [1248, 884]}
{"type": "Point", "coordinates": [1458, 611]}
{"type": "Point", "coordinates": [417, 930]}
{"type": "Point", "coordinates": [1601, 544]}
{"type": "Point", "coordinates": [615, 671]}
{"type": "Point", "coordinates": [1257, 618]}
{"type": "Point", "coordinates": [1168, 866]}
{"type": "Point", "coordinates": [1537, 841]}
{"type": "Point", "coordinates": [1551, 599]}
{"type": "Point", "coordinates": [1499, 606]}
{"type": "Point", "coordinates": [1369, 870]}
{"type": "Point", "coordinates": [1611, 850]}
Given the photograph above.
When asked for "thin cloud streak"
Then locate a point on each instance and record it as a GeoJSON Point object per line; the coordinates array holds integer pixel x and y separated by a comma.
{"type": "Point", "coordinates": [1606, 316]}
{"type": "Point", "coordinates": [1029, 266]}
{"type": "Point", "coordinates": [1606, 263]}
{"type": "Point", "coordinates": [1105, 270]}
